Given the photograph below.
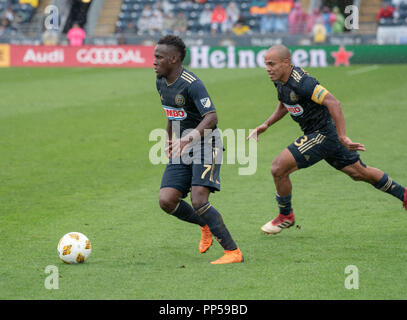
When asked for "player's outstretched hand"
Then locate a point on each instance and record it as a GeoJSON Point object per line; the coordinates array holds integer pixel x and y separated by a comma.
{"type": "Point", "coordinates": [256, 132]}
{"type": "Point", "coordinates": [179, 146]}
{"type": "Point", "coordinates": [352, 146]}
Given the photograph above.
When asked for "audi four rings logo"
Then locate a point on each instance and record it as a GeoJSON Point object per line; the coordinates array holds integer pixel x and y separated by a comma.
{"type": "Point", "coordinates": [109, 56]}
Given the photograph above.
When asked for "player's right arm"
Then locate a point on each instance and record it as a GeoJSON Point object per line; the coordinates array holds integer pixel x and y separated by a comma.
{"type": "Point", "coordinates": [168, 141]}
{"type": "Point", "coordinates": [278, 114]}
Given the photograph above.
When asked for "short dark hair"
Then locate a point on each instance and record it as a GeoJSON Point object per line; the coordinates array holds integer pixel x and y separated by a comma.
{"type": "Point", "coordinates": [175, 41]}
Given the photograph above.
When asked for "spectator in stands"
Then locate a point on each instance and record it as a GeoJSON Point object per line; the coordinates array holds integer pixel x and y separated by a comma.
{"type": "Point", "coordinates": [156, 20]}
{"type": "Point", "coordinates": [76, 35]}
{"type": "Point", "coordinates": [147, 11]}
{"type": "Point", "coordinates": [319, 31]}
{"type": "Point", "coordinates": [297, 19]}
{"type": "Point", "coordinates": [50, 37]}
{"type": "Point", "coordinates": [4, 26]}
{"type": "Point", "coordinates": [328, 19]}
{"type": "Point", "coordinates": [398, 3]}
{"type": "Point", "coordinates": [200, 1]}
{"type": "Point", "coordinates": [169, 21]}
{"type": "Point", "coordinates": [267, 23]}
{"type": "Point", "coordinates": [218, 19]}
{"type": "Point", "coordinates": [281, 23]}
{"type": "Point", "coordinates": [312, 19]}
{"type": "Point", "coordinates": [385, 12]}
{"type": "Point", "coordinates": [186, 5]}
{"type": "Point", "coordinates": [339, 23]}
{"type": "Point", "coordinates": [158, 7]}
{"type": "Point", "coordinates": [241, 27]}
{"type": "Point", "coordinates": [143, 23]}
{"type": "Point", "coordinates": [205, 18]}
{"type": "Point", "coordinates": [130, 27]}
{"type": "Point", "coordinates": [181, 24]}
{"type": "Point", "coordinates": [396, 13]}
{"type": "Point", "coordinates": [232, 16]}
{"type": "Point", "coordinates": [167, 7]}
{"type": "Point", "coordinates": [9, 14]}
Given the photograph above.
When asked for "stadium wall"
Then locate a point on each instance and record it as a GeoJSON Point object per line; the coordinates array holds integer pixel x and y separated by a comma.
{"type": "Point", "coordinates": [197, 56]}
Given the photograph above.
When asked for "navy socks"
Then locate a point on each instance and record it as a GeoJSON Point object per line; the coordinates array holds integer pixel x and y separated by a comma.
{"type": "Point", "coordinates": [284, 204]}
{"type": "Point", "coordinates": [186, 213]}
{"type": "Point", "coordinates": [217, 226]}
{"type": "Point", "coordinates": [386, 184]}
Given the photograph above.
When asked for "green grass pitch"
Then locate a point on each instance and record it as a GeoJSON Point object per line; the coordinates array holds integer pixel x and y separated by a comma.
{"type": "Point", "coordinates": [74, 157]}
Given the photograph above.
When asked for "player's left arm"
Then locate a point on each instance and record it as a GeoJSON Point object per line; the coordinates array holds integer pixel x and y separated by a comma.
{"type": "Point", "coordinates": [208, 122]}
{"type": "Point", "coordinates": [312, 89]}
{"type": "Point", "coordinates": [204, 105]}
{"type": "Point", "coordinates": [335, 109]}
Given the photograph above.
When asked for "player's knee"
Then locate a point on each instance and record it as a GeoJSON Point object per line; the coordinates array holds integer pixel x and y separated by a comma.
{"type": "Point", "coordinates": [198, 201]}
{"type": "Point", "coordinates": [277, 169]}
{"type": "Point", "coordinates": [199, 197]}
{"type": "Point", "coordinates": [167, 204]}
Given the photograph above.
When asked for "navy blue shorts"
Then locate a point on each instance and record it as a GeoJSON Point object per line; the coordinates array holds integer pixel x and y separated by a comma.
{"type": "Point", "coordinates": [201, 169]}
{"type": "Point", "coordinates": [322, 144]}
{"type": "Point", "coordinates": [183, 176]}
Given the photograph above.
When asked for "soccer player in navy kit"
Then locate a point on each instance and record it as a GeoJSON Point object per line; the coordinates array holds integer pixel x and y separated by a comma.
{"type": "Point", "coordinates": [320, 117]}
{"type": "Point", "coordinates": [191, 114]}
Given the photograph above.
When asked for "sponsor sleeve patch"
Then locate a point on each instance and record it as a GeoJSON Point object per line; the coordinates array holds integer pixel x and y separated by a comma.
{"type": "Point", "coordinates": [206, 102]}
{"type": "Point", "coordinates": [319, 94]}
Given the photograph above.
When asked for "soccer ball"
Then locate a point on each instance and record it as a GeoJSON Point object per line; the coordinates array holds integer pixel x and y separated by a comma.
{"type": "Point", "coordinates": [74, 247]}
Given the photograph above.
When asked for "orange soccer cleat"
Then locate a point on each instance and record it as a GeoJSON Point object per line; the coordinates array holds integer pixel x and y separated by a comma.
{"type": "Point", "coordinates": [233, 256]}
{"type": "Point", "coordinates": [206, 239]}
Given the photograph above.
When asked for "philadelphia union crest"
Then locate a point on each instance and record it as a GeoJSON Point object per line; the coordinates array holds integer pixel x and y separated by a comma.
{"type": "Point", "coordinates": [179, 100]}
{"type": "Point", "coordinates": [293, 96]}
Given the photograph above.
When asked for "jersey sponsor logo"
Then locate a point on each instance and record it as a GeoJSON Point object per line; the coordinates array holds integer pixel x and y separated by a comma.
{"type": "Point", "coordinates": [206, 102]}
{"type": "Point", "coordinates": [295, 110]}
{"type": "Point", "coordinates": [174, 113]}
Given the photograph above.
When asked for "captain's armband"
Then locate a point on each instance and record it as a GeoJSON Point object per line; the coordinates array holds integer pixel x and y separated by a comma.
{"type": "Point", "coordinates": [319, 94]}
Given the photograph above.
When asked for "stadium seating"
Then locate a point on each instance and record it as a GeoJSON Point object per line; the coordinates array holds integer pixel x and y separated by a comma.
{"type": "Point", "coordinates": [131, 11]}
{"type": "Point", "coordinates": [399, 16]}
{"type": "Point", "coordinates": [13, 15]}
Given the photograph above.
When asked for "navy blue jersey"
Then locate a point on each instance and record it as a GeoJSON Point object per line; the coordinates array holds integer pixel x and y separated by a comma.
{"type": "Point", "coordinates": [186, 100]}
{"type": "Point", "coordinates": [302, 95]}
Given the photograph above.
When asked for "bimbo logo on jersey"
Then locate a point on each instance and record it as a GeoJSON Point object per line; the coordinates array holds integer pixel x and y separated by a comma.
{"type": "Point", "coordinates": [175, 113]}
{"type": "Point", "coordinates": [295, 110]}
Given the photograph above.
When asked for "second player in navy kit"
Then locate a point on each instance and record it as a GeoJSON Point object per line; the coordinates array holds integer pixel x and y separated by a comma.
{"type": "Point", "coordinates": [320, 117]}
{"type": "Point", "coordinates": [192, 147]}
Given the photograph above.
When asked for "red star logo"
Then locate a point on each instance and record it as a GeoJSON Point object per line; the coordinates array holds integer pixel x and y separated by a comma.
{"type": "Point", "coordinates": [342, 56]}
